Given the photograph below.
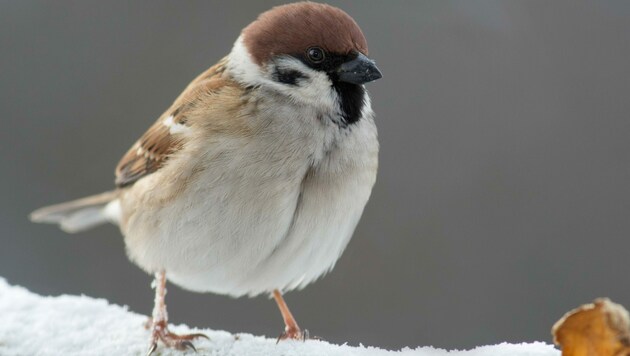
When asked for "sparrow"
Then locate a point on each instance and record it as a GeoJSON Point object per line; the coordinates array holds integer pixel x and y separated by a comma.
{"type": "Point", "coordinates": [254, 179]}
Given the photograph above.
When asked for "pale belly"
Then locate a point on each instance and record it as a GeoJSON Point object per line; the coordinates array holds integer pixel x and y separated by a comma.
{"type": "Point", "coordinates": [240, 238]}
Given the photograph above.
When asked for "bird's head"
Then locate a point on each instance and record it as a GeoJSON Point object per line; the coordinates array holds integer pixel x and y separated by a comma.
{"type": "Point", "coordinates": [315, 54]}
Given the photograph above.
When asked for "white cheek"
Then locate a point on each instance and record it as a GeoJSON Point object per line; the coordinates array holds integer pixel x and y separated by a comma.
{"type": "Point", "coordinates": [241, 66]}
{"type": "Point", "coordinates": [317, 90]}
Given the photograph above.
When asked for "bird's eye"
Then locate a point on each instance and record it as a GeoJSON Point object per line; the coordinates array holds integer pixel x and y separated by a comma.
{"type": "Point", "coordinates": [315, 54]}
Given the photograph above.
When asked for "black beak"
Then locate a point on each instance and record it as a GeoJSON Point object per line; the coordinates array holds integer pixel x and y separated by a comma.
{"type": "Point", "coordinates": [358, 71]}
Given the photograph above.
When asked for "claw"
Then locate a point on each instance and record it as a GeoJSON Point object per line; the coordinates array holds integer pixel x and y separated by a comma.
{"type": "Point", "coordinates": [152, 348]}
{"type": "Point", "coordinates": [201, 335]}
{"type": "Point", "coordinates": [296, 335]}
{"type": "Point", "coordinates": [189, 336]}
{"type": "Point", "coordinates": [179, 342]}
{"type": "Point", "coordinates": [184, 344]}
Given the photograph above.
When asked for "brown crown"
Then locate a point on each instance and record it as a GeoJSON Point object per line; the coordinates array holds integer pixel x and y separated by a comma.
{"type": "Point", "coordinates": [293, 28]}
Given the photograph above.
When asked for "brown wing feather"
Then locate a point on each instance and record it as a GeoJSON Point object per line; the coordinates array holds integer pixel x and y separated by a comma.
{"type": "Point", "coordinates": [152, 150]}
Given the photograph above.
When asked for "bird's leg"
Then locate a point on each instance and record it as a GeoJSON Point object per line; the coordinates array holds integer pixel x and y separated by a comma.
{"type": "Point", "coordinates": [291, 329]}
{"type": "Point", "coordinates": [158, 324]}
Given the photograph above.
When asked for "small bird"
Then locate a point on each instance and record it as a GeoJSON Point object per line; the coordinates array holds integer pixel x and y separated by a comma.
{"type": "Point", "coordinates": [255, 178]}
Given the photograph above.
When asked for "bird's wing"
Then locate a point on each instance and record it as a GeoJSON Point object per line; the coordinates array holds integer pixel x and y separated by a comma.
{"type": "Point", "coordinates": [169, 133]}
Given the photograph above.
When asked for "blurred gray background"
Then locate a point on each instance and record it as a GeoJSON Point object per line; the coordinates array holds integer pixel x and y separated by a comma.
{"type": "Point", "coordinates": [503, 196]}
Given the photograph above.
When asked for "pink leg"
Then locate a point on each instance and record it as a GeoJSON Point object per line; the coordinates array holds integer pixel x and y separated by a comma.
{"type": "Point", "coordinates": [158, 324]}
{"type": "Point", "coordinates": [291, 329]}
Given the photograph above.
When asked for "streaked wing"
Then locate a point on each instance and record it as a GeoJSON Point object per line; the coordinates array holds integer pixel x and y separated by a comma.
{"type": "Point", "coordinates": [169, 133]}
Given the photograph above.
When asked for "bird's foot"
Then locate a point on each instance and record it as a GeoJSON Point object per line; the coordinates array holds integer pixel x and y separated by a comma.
{"type": "Point", "coordinates": [159, 331]}
{"type": "Point", "coordinates": [296, 334]}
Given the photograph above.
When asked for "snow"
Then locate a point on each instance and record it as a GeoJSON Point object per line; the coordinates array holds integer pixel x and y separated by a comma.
{"type": "Point", "coordinates": [78, 325]}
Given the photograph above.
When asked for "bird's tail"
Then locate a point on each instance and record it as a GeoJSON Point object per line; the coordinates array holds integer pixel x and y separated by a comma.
{"type": "Point", "coordinates": [81, 214]}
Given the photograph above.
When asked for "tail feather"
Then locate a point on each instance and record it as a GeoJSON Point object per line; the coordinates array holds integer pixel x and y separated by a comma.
{"type": "Point", "coordinates": [78, 215]}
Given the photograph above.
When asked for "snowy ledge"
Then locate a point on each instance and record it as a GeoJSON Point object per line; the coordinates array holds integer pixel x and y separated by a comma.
{"type": "Point", "coordinates": [78, 325]}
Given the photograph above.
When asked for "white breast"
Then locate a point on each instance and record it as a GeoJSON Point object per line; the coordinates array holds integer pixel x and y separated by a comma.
{"type": "Point", "coordinates": [333, 196]}
{"type": "Point", "coordinates": [270, 212]}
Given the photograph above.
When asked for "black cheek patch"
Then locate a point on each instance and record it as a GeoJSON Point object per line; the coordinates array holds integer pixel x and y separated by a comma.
{"type": "Point", "coordinates": [288, 76]}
